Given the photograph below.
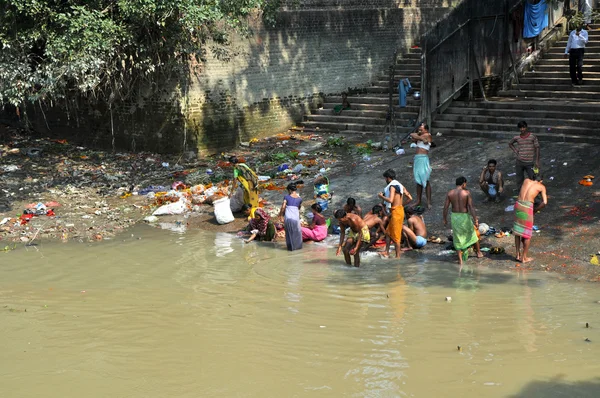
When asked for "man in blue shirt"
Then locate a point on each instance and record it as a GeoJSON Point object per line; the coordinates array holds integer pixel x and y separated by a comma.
{"type": "Point", "coordinates": [575, 50]}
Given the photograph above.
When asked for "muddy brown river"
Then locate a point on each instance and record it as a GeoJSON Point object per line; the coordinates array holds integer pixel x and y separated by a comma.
{"type": "Point", "coordinates": [205, 315]}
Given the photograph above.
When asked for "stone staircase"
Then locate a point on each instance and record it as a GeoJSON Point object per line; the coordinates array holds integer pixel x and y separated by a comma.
{"type": "Point", "coordinates": [545, 99]}
{"type": "Point", "coordinates": [369, 109]}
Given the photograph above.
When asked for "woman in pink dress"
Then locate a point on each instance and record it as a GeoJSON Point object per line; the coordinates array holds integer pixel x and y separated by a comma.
{"type": "Point", "coordinates": [317, 231]}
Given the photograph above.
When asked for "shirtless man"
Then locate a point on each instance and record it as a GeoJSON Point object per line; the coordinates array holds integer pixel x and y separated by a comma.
{"type": "Point", "coordinates": [359, 238]}
{"type": "Point", "coordinates": [415, 233]}
{"type": "Point", "coordinates": [463, 229]}
{"type": "Point", "coordinates": [352, 207]}
{"type": "Point", "coordinates": [374, 220]}
{"type": "Point", "coordinates": [524, 209]}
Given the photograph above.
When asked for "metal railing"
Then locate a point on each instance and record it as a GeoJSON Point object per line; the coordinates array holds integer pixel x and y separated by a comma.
{"type": "Point", "coordinates": [471, 44]}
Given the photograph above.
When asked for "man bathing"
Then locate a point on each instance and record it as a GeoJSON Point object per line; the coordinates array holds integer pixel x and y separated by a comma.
{"type": "Point", "coordinates": [415, 233]}
{"type": "Point", "coordinates": [359, 237]}
{"type": "Point", "coordinates": [524, 209]}
{"type": "Point", "coordinates": [463, 229]}
{"type": "Point", "coordinates": [374, 220]}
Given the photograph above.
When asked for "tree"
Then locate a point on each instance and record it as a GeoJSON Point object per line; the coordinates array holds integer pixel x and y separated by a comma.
{"type": "Point", "coordinates": [103, 48]}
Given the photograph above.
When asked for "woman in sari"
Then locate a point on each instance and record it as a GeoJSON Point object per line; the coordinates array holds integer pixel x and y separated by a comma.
{"type": "Point", "coordinates": [317, 230]}
{"type": "Point", "coordinates": [291, 209]}
{"type": "Point", "coordinates": [261, 227]}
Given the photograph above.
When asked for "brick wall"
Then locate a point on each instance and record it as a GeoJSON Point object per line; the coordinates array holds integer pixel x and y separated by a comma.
{"type": "Point", "coordinates": [272, 78]}
{"type": "Point", "coordinates": [279, 74]}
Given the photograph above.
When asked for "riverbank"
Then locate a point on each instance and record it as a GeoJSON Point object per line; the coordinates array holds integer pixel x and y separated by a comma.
{"type": "Point", "coordinates": [96, 195]}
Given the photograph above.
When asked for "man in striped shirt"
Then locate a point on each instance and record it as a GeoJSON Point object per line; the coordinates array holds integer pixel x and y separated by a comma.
{"type": "Point", "coordinates": [527, 149]}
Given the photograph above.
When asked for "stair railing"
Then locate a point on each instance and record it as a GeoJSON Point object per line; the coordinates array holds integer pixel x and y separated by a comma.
{"type": "Point", "coordinates": [467, 47]}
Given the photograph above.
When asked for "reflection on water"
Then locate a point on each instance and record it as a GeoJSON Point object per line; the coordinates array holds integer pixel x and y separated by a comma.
{"type": "Point", "coordinates": [202, 314]}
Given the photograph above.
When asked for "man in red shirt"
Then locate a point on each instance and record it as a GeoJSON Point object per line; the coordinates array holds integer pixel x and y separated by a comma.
{"type": "Point", "coordinates": [527, 149]}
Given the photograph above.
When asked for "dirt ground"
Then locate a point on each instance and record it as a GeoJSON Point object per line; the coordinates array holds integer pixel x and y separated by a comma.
{"type": "Point", "coordinates": [94, 194]}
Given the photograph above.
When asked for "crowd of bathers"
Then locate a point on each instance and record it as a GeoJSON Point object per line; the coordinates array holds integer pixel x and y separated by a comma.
{"type": "Point", "coordinates": [384, 224]}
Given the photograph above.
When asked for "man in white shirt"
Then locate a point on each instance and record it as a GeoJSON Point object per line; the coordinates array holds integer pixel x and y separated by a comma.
{"type": "Point", "coordinates": [575, 50]}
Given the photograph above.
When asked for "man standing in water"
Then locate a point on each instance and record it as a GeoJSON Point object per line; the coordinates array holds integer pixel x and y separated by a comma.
{"type": "Point", "coordinates": [359, 237]}
{"type": "Point", "coordinates": [421, 167]}
{"type": "Point", "coordinates": [524, 209]}
{"type": "Point", "coordinates": [463, 229]}
{"type": "Point", "coordinates": [393, 199]}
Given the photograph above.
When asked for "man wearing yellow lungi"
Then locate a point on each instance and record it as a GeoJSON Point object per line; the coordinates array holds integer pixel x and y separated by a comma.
{"type": "Point", "coordinates": [392, 197]}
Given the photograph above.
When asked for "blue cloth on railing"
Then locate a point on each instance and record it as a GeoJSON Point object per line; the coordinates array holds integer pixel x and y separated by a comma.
{"type": "Point", "coordinates": [535, 20]}
{"type": "Point", "coordinates": [403, 88]}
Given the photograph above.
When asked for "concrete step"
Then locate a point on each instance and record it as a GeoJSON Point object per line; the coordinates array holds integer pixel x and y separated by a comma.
{"type": "Point", "coordinates": [586, 68]}
{"type": "Point", "coordinates": [559, 87]}
{"type": "Point", "coordinates": [531, 78]}
{"type": "Point", "coordinates": [364, 112]}
{"type": "Point", "coordinates": [572, 95]}
{"type": "Point", "coordinates": [559, 48]}
{"type": "Point", "coordinates": [557, 55]}
{"type": "Point", "coordinates": [339, 126]}
{"type": "Point", "coordinates": [384, 83]}
{"type": "Point", "coordinates": [500, 118]}
{"type": "Point", "coordinates": [506, 136]}
{"type": "Point", "coordinates": [384, 89]}
{"type": "Point", "coordinates": [563, 74]}
{"type": "Point", "coordinates": [542, 104]}
{"type": "Point", "coordinates": [345, 118]}
{"type": "Point", "coordinates": [397, 76]}
{"type": "Point", "coordinates": [409, 56]}
{"type": "Point", "coordinates": [562, 62]}
{"type": "Point", "coordinates": [372, 99]}
{"type": "Point", "coordinates": [509, 127]}
{"type": "Point", "coordinates": [374, 107]}
{"type": "Point", "coordinates": [406, 68]}
{"type": "Point", "coordinates": [523, 113]}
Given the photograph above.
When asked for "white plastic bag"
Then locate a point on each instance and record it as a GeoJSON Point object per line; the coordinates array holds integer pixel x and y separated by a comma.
{"type": "Point", "coordinates": [223, 212]}
{"type": "Point", "coordinates": [171, 208]}
{"type": "Point", "coordinates": [237, 200]}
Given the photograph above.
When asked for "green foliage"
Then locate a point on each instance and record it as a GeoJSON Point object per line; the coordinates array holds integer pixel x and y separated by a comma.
{"type": "Point", "coordinates": [279, 157]}
{"type": "Point", "coordinates": [50, 48]}
{"type": "Point", "coordinates": [335, 142]}
{"type": "Point", "coordinates": [578, 19]}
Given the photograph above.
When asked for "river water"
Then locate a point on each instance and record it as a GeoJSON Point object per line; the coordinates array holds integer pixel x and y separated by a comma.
{"type": "Point", "coordinates": [205, 315]}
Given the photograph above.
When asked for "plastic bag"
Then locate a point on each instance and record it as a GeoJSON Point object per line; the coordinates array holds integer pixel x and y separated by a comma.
{"type": "Point", "coordinates": [223, 212]}
{"type": "Point", "coordinates": [237, 200]}
{"type": "Point", "coordinates": [171, 208]}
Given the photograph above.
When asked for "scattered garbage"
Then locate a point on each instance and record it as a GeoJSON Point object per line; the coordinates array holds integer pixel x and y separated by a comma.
{"type": "Point", "coordinates": [587, 181]}
{"type": "Point", "coordinates": [448, 298]}
{"type": "Point", "coordinates": [178, 207]}
{"type": "Point", "coordinates": [509, 208]}
{"type": "Point", "coordinates": [511, 174]}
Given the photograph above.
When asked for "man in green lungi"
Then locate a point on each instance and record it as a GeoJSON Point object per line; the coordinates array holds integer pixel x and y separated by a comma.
{"type": "Point", "coordinates": [463, 228]}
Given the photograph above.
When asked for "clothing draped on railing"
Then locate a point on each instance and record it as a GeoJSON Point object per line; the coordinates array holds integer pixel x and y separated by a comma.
{"type": "Point", "coordinates": [536, 18]}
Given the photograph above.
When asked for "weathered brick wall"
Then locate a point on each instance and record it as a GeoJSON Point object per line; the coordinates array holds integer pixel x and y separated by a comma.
{"type": "Point", "coordinates": [278, 74]}
{"type": "Point", "coordinates": [272, 78]}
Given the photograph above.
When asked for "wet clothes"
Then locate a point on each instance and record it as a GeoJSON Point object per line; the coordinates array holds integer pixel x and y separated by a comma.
{"type": "Point", "coordinates": [463, 231]}
{"type": "Point", "coordinates": [523, 225]}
